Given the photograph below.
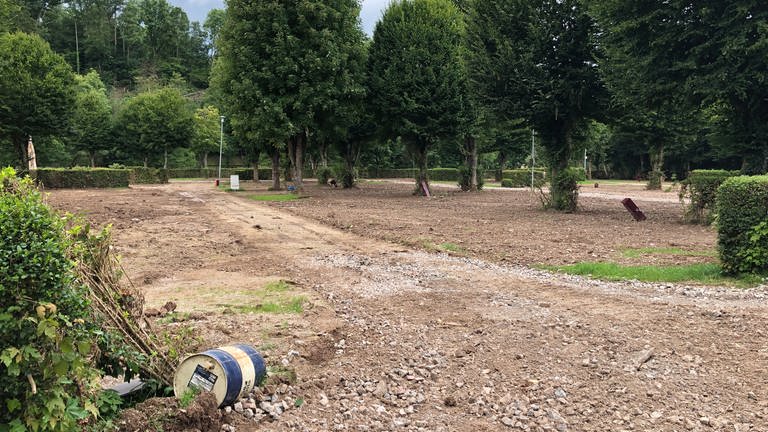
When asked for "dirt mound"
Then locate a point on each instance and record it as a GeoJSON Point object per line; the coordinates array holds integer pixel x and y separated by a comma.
{"type": "Point", "coordinates": [165, 414]}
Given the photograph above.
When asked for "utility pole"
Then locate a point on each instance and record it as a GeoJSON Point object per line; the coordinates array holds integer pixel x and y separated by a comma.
{"type": "Point", "coordinates": [221, 146]}
{"type": "Point", "coordinates": [533, 155]}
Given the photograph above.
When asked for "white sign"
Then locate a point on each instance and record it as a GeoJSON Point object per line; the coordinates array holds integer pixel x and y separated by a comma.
{"type": "Point", "coordinates": [234, 182]}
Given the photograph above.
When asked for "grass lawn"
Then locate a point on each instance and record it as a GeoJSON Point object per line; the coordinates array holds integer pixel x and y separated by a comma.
{"type": "Point", "coordinates": [638, 252]}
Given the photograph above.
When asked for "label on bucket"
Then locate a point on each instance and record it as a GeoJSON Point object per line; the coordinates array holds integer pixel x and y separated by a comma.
{"type": "Point", "coordinates": [202, 379]}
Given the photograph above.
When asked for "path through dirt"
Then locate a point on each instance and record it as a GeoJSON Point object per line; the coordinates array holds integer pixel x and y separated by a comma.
{"type": "Point", "coordinates": [401, 339]}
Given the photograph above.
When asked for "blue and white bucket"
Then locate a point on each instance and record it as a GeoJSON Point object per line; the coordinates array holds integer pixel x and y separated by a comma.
{"type": "Point", "coordinates": [229, 372]}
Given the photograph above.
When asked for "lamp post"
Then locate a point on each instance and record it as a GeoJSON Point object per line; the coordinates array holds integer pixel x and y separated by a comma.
{"type": "Point", "coordinates": [221, 146]}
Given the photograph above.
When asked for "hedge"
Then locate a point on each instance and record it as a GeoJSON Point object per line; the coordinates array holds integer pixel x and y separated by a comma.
{"type": "Point", "coordinates": [79, 178]}
{"type": "Point", "coordinates": [742, 224]}
{"type": "Point", "coordinates": [700, 189]}
{"type": "Point", "coordinates": [244, 173]}
{"type": "Point", "coordinates": [522, 178]}
{"type": "Point", "coordinates": [142, 175]}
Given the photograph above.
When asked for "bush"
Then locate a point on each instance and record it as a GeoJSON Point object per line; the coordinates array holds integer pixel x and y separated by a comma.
{"type": "Point", "coordinates": [581, 173]}
{"type": "Point", "coordinates": [742, 209]}
{"type": "Point", "coordinates": [700, 188]}
{"type": "Point", "coordinates": [323, 175]}
{"type": "Point", "coordinates": [564, 191]}
{"type": "Point", "coordinates": [80, 178]}
{"type": "Point", "coordinates": [141, 175]}
{"type": "Point", "coordinates": [654, 180]}
{"type": "Point", "coordinates": [46, 382]}
{"type": "Point", "coordinates": [464, 178]}
{"type": "Point", "coordinates": [522, 178]}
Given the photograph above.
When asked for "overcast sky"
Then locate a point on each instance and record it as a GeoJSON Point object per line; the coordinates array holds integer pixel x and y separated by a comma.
{"type": "Point", "coordinates": [198, 9]}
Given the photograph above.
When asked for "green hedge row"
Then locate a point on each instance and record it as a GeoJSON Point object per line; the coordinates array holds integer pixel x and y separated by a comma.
{"type": "Point", "coordinates": [700, 189]}
{"type": "Point", "coordinates": [244, 173]}
{"type": "Point", "coordinates": [522, 178]}
{"type": "Point", "coordinates": [742, 224]}
{"type": "Point", "coordinates": [80, 178]}
{"type": "Point", "coordinates": [142, 175]}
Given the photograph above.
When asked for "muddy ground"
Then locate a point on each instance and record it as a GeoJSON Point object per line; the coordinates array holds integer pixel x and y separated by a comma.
{"type": "Point", "coordinates": [395, 335]}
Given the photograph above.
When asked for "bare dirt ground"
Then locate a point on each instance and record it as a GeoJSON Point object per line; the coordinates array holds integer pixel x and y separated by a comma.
{"type": "Point", "coordinates": [400, 338]}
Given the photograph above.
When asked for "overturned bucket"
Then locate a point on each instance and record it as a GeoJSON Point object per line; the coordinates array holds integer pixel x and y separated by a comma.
{"type": "Point", "coordinates": [229, 372]}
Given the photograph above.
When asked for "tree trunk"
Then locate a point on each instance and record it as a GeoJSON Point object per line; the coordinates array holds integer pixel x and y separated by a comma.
{"type": "Point", "coordinates": [563, 194]}
{"type": "Point", "coordinates": [656, 176]}
{"type": "Point", "coordinates": [351, 156]}
{"type": "Point", "coordinates": [92, 157]}
{"type": "Point", "coordinates": [205, 159]}
{"type": "Point", "coordinates": [296, 156]}
{"type": "Point", "coordinates": [145, 162]}
{"type": "Point", "coordinates": [255, 165]}
{"type": "Point", "coordinates": [20, 144]}
{"type": "Point", "coordinates": [275, 169]}
{"type": "Point", "coordinates": [472, 162]}
{"type": "Point", "coordinates": [422, 178]}
{"type": "Point", "coordinates": [501, 159]}
{"type": "Point", "coordinates": [165, 158]}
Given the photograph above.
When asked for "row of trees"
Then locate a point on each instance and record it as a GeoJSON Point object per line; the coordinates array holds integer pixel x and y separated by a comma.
{"type": "Point", "coordinates": [40, 95]}
{"type": "Point", "coordinates": [121, 39]}
{"type": "Point", "coordinates": [608, 76]}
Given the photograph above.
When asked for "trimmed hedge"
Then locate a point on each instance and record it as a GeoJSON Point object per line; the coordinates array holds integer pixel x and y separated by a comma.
{"type": "Point", "coordinates": [443, 174]}
{"type": "Point", "coordinates": [522, 178]}
{"type": "Point", "coordinates": [80, 178]}
{"type": "Point", "coordinates": [244, 173]}
{"type": "Point", "coordinates": [742, 213]}
{"type": "Point", "coordinates": [142, 175]}
{"type": "Point", "coordinates": [700, 188]}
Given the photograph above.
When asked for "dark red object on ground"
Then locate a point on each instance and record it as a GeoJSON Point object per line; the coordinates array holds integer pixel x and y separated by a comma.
{"type": "Point", "coordinates": [633, 209]}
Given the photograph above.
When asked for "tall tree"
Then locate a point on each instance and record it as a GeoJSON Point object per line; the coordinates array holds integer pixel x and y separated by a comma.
{"type": "Point", "coordinates": [206, 135]}
{"type": "Point", "coordinates": [415, 75]}
{"type": "Point", "coordinates": [707, 52]}
{"type": "Point", "coordinates": [214, 22]}
{"type": "Point", "coordinates": [154, 123]}
{"type": "Point", "coordinates": [287, 64]}
{"type": "Point", "coordinates": [92, 116]}
{"type": "Point", "coordinates": [536, 60]}
{"type": "Point", "coordinates": [36, 90]}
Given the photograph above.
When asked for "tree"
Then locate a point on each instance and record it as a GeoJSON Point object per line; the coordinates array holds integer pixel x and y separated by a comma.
{"type": "Point", "coordinates": [685, 54]}
{"type": "Point", "coordinates": [286, 65]}
{"type": "Point", "coordinates": [415, 74]}
{"type": "Point", "coordinates": [36, 90]}
{"type": "Point", "coordinates": [207, 133]}
{"type": "Point", "coordinates": [92, 116]}
{"type": "Point", "coordinates": [214, 22]}
{"type": "Point", "coordinates": [154, 122]}
{"type": "Point", "coordinates": [536, 60]}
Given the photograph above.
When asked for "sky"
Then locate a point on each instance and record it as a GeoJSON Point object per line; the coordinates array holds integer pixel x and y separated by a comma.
{"type": "Point", "coordinates": [198, 9]}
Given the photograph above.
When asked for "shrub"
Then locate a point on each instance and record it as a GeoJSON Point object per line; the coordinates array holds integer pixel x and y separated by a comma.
{"type": "Point", "coordinates": [742, 210]}
{"type": "Point", "coordinates": [142, 175]}
{"type": "Point", "coordinates": [443, 174]}
{"type": "Point", "coordinates": [46, 382]}
{"type": "Point", "coordinates": [323, 175]}
{"type": "Point", "coordinates": [700, 189]}
{"type": "Point", "coordinates": [581, 173]}
{"type": "Point", "coordinates": [80, 178]}
{"type": "Point", "coordinates": [654, 180]}
{"type": "Point", "coordinates": [522, 178]}
{"type": "Point", "coordinates": [564, 191]}
{"type": "Point", "coordinates": [464, 178]}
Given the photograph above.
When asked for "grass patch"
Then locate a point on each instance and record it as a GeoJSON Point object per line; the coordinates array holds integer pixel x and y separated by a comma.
{"type": "Point", "coordinates": [638, 252]}
{"type": "Point", "coordinates": [450, 247]}
{"type": "Point", "coordinates": [710, 274]}
{"type": "Point", "coordinates": [274, 197]}
{"type": "Point", "coordinates": [274, 298]}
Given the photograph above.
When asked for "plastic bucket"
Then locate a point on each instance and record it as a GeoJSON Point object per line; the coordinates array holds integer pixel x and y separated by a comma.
{"type": "Point", "coordinates": [229, 372]}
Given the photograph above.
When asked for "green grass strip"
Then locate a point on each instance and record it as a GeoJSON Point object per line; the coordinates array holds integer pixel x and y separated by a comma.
{"type": "Point", "coordinates": [703, 273]}
{"type": "Point", "coordinates": [637, 252]}
{"type": "Point", "coordinates": [274, 197]}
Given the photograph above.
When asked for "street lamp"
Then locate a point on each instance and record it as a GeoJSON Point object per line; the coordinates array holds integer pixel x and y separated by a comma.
{"type": "Point", "coordinates": [221, 146]}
